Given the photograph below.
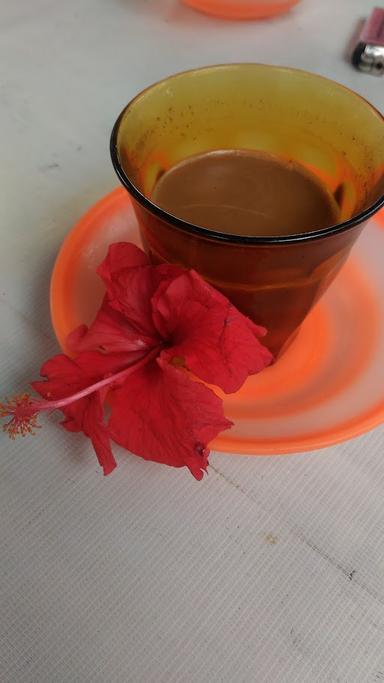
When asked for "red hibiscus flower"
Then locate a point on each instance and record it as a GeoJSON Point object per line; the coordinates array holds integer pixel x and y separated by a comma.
{"type": "Point", "coordinates": [134, 377]}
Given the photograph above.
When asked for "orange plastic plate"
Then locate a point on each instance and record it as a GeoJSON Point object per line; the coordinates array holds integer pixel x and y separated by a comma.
{"type": "Point", "coordinates": [328, 386]}
{"type": "Point", "coordinates": [242, 9]}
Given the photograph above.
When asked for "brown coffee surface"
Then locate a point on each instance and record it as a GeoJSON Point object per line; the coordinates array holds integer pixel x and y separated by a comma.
{"type": "Point", "coordinates": [246, 193]}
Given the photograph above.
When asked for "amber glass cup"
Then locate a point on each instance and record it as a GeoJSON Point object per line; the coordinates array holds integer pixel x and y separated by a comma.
{"type": "Point", "coordinates": [324, 126]}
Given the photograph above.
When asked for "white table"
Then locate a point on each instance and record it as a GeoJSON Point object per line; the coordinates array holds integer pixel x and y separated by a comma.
{"type": "Point", "coordinates": [271, 569]}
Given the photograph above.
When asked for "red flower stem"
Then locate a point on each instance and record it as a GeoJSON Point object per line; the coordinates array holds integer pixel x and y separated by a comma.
{"type": "Point", "coordinates": [23, 409]}
{"type": "Point", "coordinates": [60, 403]}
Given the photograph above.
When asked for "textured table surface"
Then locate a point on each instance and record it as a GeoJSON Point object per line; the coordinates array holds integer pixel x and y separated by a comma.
{"type": "Point", "coordinates": [271, 569]}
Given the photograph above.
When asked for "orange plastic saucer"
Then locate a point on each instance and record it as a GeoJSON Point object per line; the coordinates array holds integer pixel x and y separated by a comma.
{"type": "Point", "coordinates": [242, 9]}
{"type": "Point", "coordinates": [327, 387]}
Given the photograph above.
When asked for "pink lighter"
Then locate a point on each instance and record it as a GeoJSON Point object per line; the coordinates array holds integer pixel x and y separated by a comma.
{"type": "Point", "coordinates": [368, 54]}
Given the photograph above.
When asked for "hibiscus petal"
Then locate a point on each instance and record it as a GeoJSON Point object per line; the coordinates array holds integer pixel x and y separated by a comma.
{"type": "Point", "coordinates": [110, 333]}
{"type": "Point", "coordinates": [120, 256]}
{"type": "Point", "coordinates": [218, 343]}
{"type": "Point", "coordinates": [131, 282]}
{"type": "Point", "coordinates": [130, 293]}
{"type": "Point", "coordinates": [64, 377]}
{"type": "Point", "coordinates": [87, 416]}
{"type": "Point", "coordinates": [94, 427]}
{"type": "Point", "coordinates": [127, 277]}
{"type": "Point", "coordinates": [161, 414]}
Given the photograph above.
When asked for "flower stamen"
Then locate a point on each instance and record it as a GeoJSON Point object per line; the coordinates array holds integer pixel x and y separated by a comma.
{"type": "Point", "coordinates": [23, 411]}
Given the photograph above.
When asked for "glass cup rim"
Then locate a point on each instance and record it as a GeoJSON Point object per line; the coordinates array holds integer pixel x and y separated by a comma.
{"type": "Point", "coordinates": [215, 235]}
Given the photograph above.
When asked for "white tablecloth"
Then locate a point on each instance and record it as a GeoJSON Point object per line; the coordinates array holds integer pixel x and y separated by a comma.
{"type": "Point", "coordinates": [271, 569]}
